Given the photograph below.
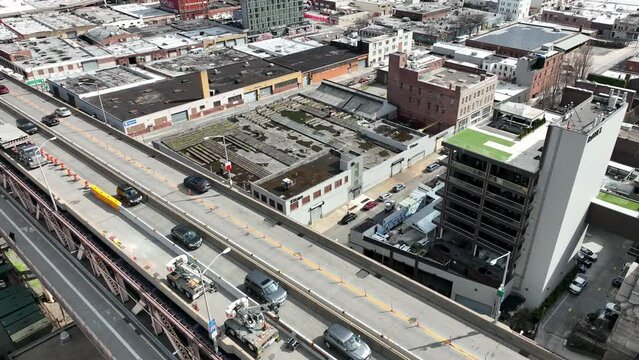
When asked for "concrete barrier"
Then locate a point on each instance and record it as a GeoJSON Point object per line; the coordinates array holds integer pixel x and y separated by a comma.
{"type": "Point", "coordinates": [450, 307]}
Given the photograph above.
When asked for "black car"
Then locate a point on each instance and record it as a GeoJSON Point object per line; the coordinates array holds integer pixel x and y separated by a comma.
{"type": "Point", "coordinates": [129, 195]}
{"type": "Point", "coordinates": [616, 282]}
{"type": "Point", "coordinates": [581, 268]}
{"type": "Point", "coordinates": [26, 126]}
{"type": "Point", "coordinates": [348, 218]}
{"type": "Point", "coordinates": [584, 260]}
{"type": "Point", "coordinates": [186, 236]}
{"type": "Point", "coordinates": [50, 120]}
{"type": "Point", "coordinates": [197, 183]}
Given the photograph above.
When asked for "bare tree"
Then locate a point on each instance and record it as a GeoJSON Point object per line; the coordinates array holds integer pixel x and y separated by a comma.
{"type": "Point", "coordinates": [582, 60]}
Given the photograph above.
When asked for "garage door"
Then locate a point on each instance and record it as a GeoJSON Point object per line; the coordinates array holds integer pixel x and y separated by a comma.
{"type": "Point", "coordinates": [415, 158]}
{"type": "Point", "coordinates": [266, 91]}
{"type": "Point", "coordinates": [475, 305]}
{"type": "Point", "coordinates": [250, 96]}
{"type": "Point", "coordinates": [316, 213]}
{"type": "Point", "coordinates": [179, 117]}
{"type": "Point", "coordinates": [396, 168]}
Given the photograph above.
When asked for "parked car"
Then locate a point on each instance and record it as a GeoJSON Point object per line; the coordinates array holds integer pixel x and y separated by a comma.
{"type": "Point", "coordinates": [581, 268]}
{"type": "Point", "coordinates": [50, 120]}
{"type": "Point", "coordinates": [263, 288]}
{"type": "Point", "coordinates": [616, 282]}
{"type": "Point", "coordinates": [186, 236]}
{"type": "Point", "coordinates": [4, 89]}
{"type": "Point", "coordinates": [383, 197]}
{"type": "Point", "coordinates": [588, 253]}
{"type": "Point", "coordinates": [578, 284]}
{"type": "Point", "coordinates": [369, 205]}
{"type": "Point", "coordinates": [352, 83]}
{"type": "Point", "coordinates": [197, 183]}
{"type": "Point", "coordinates": [432, 167]}
{"type": "Point", "coordinates": [129, 195]}
{"type": "Point", "coordinates": [602, 318]}
{"type": "Point", "coordinates": [346, 342]}
{"type": "Point", "coordinates": [62, 112]}
{"type": "Point", "coordinates": [348, 218]}
{"type": "Point", "coordinates": [613, 307]}
{"type": "Point", "coordinates": [389, 206]}
{"type": "Point", "coordinates": [398, 187]}
{"type": "Point", "coordinates": [583, 259]}
{"type": "Point", "coordinates": [1, 76]}
{"type": "Point", "coordinates": [26, 126]}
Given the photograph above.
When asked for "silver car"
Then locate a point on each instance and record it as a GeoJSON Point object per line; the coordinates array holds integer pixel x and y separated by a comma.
{"type": "Point", "coordinates": [346, 342]}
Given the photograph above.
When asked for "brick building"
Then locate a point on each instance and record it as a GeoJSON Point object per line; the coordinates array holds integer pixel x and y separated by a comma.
{"type": "Point", "coordinates": [632, 64]}
{"type": "Point", "coordinates": [421, 12]}
{"type": "Point", "coordinates": [439, 94]}
{"type": "Point", "coordinates": [186, 9]}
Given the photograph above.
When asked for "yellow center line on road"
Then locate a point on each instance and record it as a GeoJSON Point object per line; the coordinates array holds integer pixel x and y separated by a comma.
{"type": "Point", "coordinates": [278, 245]}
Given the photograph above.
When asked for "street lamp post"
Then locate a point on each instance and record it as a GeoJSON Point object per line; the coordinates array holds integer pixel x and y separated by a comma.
{"type": "Point", "coordinates": [97, 90]}
{"type": "Point", "coordinates": [501, 290]}
{"type": "Point", "coordinates": [206, 301]}
{"type": "Point", "coordinates": [226, 156]}
{"type": "Point", "coordinates": [55, 207]}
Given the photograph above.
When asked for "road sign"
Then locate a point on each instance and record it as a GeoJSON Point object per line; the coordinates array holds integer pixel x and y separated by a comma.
{"type": "Point", "coordinates": [35, 82]}
{"type": "Point", "coordinates": [212, 327]}
{"type": "Point", "coordinates": [227, 166]}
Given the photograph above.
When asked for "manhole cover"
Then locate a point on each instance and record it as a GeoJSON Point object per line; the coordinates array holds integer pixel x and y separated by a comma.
{"type": "Point", "coordinates": [362, 274]}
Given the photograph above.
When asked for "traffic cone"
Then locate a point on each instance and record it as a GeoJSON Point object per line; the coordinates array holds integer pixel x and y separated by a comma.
{"type": "Point", "coordinates": [86, 184]}
{"type": "Point", "coordinates": [196, 307]}
{"type": "Point", "coordinates": [76, 177]}
{"type": "Point", "coordinates": [62, 166]}
{"type": "Point", "coordinates": [69, 172]}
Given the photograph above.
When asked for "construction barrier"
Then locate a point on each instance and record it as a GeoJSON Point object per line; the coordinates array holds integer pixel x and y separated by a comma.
{"type": "Point", "coordinates": [105, 198]}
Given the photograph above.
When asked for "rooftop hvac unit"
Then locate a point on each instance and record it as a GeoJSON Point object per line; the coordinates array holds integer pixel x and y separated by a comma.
{"type": "Point", "coordinates": [287, 183]}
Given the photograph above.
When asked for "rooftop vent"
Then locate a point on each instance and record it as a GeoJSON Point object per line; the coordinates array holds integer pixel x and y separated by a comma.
{"type": "Point", "coordinates": [287, 183]}
{"type": "Point", "coordinates": [246, 64]}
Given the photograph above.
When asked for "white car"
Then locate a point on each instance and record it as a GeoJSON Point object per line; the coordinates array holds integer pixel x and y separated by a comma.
{"type": "Point", "coordinates": [614, 308]}
{"type": "Point", "coordinates": [588, 253]}
{"type": "Point", "coordinates": [383, 197]}
{"type": "Point", "coordinates": [578, 284]}
{"type": "Point", "coordinates": [62, 112]}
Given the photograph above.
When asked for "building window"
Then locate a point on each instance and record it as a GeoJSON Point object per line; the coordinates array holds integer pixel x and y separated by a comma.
{"type": "Point", "coordinates": [280, 207]}
{"type": "Point", "coordinates": [295, 205]}
{"type": "Point", "coordinates": [338, 183]}
{"type": "Point", "coordinates": [317, 194]}
{"type": "Point", "coordinates": [256, 194]}
{"type": "Point", "coordinates": [401, 85]}
{"type": "Point", "coordinates": [328, 189]}
{"type": "Point", "coordinates": [306, 200]}
{"type": "Point", "coordinates": [263, 197]}
{"type": "Point", "coordinates": [345, 179]}
{"type": "Point", "coordinates": [271, 202]}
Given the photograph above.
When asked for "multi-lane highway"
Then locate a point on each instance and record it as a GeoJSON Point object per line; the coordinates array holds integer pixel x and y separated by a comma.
{"type": "Point", "coordinates": [97, 313]}
{"type": "Point", "coordinates": [424, 330]}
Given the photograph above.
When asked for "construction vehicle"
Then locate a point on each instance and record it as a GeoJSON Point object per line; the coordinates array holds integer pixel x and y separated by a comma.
{"type": "Point", "coordinates": [29, 155]}
{"type": "Point", "coordinates": [247, 323]}
{"type": "Point", "coordinates": [184, 277]}
{"type": "Point", "coordinates": [11, 136]}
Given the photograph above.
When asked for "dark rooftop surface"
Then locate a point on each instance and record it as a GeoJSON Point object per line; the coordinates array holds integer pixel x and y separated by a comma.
{"type": "Point", "coordinates": [147, 99]}
{"type": "Point", "coordinates": [316, 58]}
{"type": "Point", "coordinates": [304, 176]}
{"type": "Point", "coordinates": [195, 24]}
{"type": "Point", "coordinates": [523, 36]}
{"type": "Point", "coordinates": [78, 347]}
{"type": "Point", "coordinates": [241, 74]}
{"type": "Point", "coordinates": [153, 30]}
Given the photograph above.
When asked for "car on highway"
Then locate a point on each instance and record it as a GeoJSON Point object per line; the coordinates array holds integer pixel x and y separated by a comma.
{"type": "Point", "coordinates": [186, 236]}
{"type": "Point", "coordinates": [578, 284]}
{"type": "Point", "coordinates": [263, 288]}
{"type": "Point", "coordinates": [129, 195]}
{"type": "Point", "coordinates": [50, 120]}
{"type": "Point", "coordinates": [27, 126]}
{"type": "Point", "coordinates": [383, 197]}
{"type": "Point", "coordinates": [346, 342]}
{"type": "Point", "coordinates": [348, 218]}
{"type": "Point", "coordinates": [197, 183]}
{"type": "Point", "coordinates": [369, 205]}
{"type": "Point", "coordinates": [4, 89]}
{"type": "Point", "coordinates": [585, 252]}
{"type": "Point", "coordinates": [62, 112]}
{"type": "Point", "coordinates": [432, 167]}
{"type": "Point", "coordinates": [398, 187]}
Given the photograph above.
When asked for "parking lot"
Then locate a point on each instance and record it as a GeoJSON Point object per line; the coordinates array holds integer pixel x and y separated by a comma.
{"type": "Point", "coordinates": [411, 177]}
{"type": "Point", "coordinates": [611, 251]}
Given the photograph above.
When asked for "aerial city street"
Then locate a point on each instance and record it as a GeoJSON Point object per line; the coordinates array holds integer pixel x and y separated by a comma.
{"type": "Point", "coordinates": [319, 179]}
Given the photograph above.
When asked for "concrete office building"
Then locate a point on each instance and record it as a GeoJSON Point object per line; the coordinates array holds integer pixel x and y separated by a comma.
{"type": "Point", "coordinates": [260, 16]}
{"type": "Point", "coordinates": [524, 186]}
{"type": "Point", "coordinates": [542, 5]}
{"type": "Point", "coordinates": [439, 94]}
{"type": "Point", "coordinates": [514, 9]}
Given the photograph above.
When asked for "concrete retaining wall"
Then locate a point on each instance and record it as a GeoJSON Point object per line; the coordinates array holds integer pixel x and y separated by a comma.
{"type": "Point", "coordinates": [613, 221]}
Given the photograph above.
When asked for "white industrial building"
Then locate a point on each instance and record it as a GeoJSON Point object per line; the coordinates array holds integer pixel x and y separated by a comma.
{"type": "Point", "coordinates": [514, 9]}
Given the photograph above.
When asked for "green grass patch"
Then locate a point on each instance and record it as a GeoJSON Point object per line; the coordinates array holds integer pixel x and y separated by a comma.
{"type": "Point", "coordinates": [619, 201]}
{"type": "Point", "coordinates": [475, 141]}
{"type": "Point", "coordinates": [15, 260]}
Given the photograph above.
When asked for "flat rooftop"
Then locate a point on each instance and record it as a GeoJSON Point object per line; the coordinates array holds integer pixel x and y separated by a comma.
{"type": "Point", "coordinates": [14, 7]}
{"type": "Point", "coordinates": [215, 31]}
{"type": "Point", "coordinates": [141, 11]}
{"type": "Point", "coordinates": [421, 8]}
{"type": "Point", "coordinates": [505, 90]}
{"type": "Point", "coordinates": [6, 34]}
{"type": "Point", "coordinates": [199, 60]}
{"type": "Point", "coordinates": [274, 47]}
{"type": "Point", "coordinates": [523, 36]}
{"type": "Point", "coordinates": [52, 51]}
{"type": "Point", "coordinates": [520, 110]}
{"type": "Point", "coordinates": [25, 25]}
{"type": "Point", "coordinates": [447, 77]}
{"type": "Point", "coordinates": [462, 50]}
{"type": "Point", "coordinates": [304, 176]}
{"type": "Point", "coordinates": [147, 99]}
{"type": "Point", "coordinates": [151, 30]}
{"type": "Point", "coordinates": [104, 79]}
{"type": "Point", "coordinates": [171, 41]}
{"type": "Point", "coordinates": [241, 74]}
{"type": "Point", "coordinates": [317, 58]}
{"type": "Point", "coordinates": [50, 347]}
{"type": "Point", "coordinates": [61, 20]}
{"type": "Point", "coordinates": [131, 47]}
{"type": "Point", "coordinates": [102, 15]}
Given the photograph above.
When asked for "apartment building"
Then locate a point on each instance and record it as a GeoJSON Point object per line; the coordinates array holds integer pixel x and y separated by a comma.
{"type": "Point", "coordinates": [437, 94]}
{"type": "Point", "coordinates": [260, 16]}
{"type": "Point", "coordinates": [522, 185]}
{"type": "Point", "coordinates": [514, 9]}
{"type": "Point", "coordinates": [626, 29]}
{"type": "Point", "coordinates": [379, 41]}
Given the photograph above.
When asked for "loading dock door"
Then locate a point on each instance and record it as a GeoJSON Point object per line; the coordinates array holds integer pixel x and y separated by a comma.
{"type": "Point", "coordinates": [179, 117]}
{"type": "Point", "coordinates": [415, 159]}
{"type": "Point", "coordinates": [315, 213]}
{"type": "Point", "coordinates": [266, 91]}
{"type": "Point", "coordinates": [250, 96]}
{"type": "Point", "coordinates": [396, 168]}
